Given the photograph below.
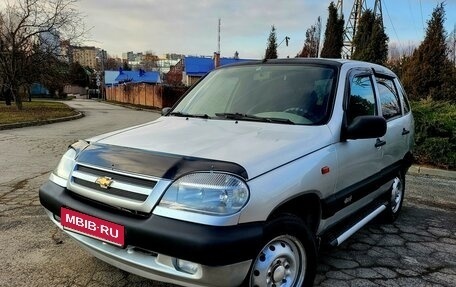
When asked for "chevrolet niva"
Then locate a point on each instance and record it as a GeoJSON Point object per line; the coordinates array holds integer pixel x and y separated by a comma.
{"type": "Point", "coordinates": [242, 181]}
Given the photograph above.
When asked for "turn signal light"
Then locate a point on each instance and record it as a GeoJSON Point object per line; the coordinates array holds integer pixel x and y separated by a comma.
{"type": "Point", "coordinates": [325, 170]}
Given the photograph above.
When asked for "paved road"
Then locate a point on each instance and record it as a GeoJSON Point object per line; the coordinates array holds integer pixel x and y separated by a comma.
{"type": "Point", "coordinates": [418, 250]}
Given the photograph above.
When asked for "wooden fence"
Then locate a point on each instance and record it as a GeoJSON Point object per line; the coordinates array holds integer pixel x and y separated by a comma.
{"type": "Point", "coordinates": [136, 94]}
{"type": "Point", "coordinates": [156, 96]}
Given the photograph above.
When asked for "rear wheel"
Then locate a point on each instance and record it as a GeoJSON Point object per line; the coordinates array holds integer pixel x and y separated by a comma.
{"type": "Point", "coordinates": [288, 257]}
{"type": "Point", "coordinates": [396, 198]}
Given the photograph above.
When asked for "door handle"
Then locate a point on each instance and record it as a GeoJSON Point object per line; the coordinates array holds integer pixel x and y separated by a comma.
{"type": "Point", "coordinates": [380, 143]}
{"type": "Point", "coordinates": [405, 132]}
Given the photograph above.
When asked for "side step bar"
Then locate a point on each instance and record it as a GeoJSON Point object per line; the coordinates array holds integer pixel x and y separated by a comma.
{"type": "Point", "coordinates": [349, 232]}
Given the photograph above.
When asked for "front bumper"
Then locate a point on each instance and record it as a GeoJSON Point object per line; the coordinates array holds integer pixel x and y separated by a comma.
{"type": "Point", "coordinates": [153, 243]}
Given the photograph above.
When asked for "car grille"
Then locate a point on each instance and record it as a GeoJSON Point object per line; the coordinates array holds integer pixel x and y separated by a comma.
{"type": "Point", "coordinates": [124, 186]}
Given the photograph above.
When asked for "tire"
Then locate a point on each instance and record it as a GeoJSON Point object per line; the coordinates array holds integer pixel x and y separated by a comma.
{"type": "Point", "coordinates": [396, 198]}
{"type": "Point", "coordinates": [288, 257]}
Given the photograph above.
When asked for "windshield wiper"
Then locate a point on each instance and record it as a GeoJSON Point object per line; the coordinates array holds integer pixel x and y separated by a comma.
{"type": "Point", "coordinates": [246, 117]}
{"type": "Point", "coordinates": [181, 114]}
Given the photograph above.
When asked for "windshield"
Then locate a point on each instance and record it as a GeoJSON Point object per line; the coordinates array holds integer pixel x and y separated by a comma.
{"type": "Point", "coordinates": [289, 94]}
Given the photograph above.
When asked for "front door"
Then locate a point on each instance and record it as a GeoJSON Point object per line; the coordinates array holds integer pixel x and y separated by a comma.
{"type": "Point", "coordinates": [358, 159]}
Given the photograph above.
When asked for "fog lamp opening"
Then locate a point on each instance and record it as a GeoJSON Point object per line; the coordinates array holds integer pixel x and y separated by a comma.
{"type": "Point", "coordinates": [186, 266]}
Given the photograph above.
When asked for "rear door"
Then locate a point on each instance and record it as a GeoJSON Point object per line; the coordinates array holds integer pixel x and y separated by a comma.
{"type": "Point", "coordinates": [408, 131]}
{"type": "Point", "coordinates": [397, 136]}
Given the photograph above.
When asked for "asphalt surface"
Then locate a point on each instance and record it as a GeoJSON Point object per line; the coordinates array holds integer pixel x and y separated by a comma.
{"type": "Point", "coordinates": [418, 250]}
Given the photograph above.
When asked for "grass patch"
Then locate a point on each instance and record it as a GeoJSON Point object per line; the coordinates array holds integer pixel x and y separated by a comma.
{"type": "Point", "coordinates": [435, 133]}
{"type": "Point", "coordinates": [34, 111]}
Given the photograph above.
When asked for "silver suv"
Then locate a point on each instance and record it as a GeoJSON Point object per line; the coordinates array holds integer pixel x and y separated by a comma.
{"type": "Point", "coordinates": [242, 181]}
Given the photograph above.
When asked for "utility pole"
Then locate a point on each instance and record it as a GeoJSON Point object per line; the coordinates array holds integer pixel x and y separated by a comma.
{"type": "Point", "coordinates": [359, 6]}
{"type": "Point", "coordinates": [318, 37]}
{"type": "Point", "coordinates": [340, 8]}
{"type": "Point", "coordinates": [103, 92]}
{"type": "Point", "coordinates": [378, 13]}
{"type": "Point", "coordinates": [218, 38]}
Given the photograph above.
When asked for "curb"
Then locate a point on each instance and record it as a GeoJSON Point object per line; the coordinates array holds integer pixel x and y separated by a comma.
{"type": "Point", "coordinates": [422, 170]}
{"type": "Point", "coordinates": [39, 123]}
{"type": "Point", "coordinates": [131, 107]}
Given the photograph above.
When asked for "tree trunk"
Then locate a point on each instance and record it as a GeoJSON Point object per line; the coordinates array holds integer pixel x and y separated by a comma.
{"type": "Point", "coordinates": [8, 97]}
{"type": "Point", "coordinates": [17, 97]}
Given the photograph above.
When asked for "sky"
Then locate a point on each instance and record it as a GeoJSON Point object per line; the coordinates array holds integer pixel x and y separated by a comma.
{"type": "Point", "coordinates": [190, 26]}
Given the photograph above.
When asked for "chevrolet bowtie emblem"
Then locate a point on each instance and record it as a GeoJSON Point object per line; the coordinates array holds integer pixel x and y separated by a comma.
{"type": "Point", "coordinates": [104, 182]}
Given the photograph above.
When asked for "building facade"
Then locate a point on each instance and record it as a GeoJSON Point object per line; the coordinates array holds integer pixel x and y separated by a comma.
{"type": "Point", "coordinates": [85, 55]}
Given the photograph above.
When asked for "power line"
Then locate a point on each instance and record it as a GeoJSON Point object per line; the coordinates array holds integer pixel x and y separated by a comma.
{"type": "Point", "coordinates": [392, 25]}
{"type": "Point", "coordinates": [422, 18]}
{"type": "Point", "coordinates": [417, 34]}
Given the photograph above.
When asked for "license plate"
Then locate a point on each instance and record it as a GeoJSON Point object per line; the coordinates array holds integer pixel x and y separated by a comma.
{"type": "Point", "coordinates": [92, 226]}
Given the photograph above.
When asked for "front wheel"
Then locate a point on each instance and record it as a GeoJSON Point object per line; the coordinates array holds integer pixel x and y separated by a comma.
{"type": "Point", "coordinates": [288, 257]}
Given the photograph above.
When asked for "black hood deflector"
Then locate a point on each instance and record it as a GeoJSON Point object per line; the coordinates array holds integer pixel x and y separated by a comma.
{"type": "Point", "coordinates": [162, 165]}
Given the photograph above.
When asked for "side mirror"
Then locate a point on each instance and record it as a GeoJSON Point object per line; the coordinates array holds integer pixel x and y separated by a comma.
{"type": "Point", "coordinates": [165, 111]}
{"type": "Point", "coordinates": [366, 127]}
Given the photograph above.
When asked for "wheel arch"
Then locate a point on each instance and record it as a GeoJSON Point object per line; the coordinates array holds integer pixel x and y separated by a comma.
{"type": "Point", "coordinates": [407, 161]}
{"type": "Point", "coordinates": [305, 206]}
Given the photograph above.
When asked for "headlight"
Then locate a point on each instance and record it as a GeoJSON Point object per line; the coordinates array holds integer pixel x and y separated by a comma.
{"type": "Point", "coordinates": [66, 164]}
{"type": "Point", "coordinates": [208, 193]}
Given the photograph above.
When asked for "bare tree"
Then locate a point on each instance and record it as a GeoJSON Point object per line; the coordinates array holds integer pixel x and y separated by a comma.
{"type": "Point", "coordinates": [30, 36]}
{"type": "Point", "coordinates": [150, 61]}
{"type": "Point", "coordinates": [312, 43]}
{"type": "Point", "coordinates": [451, 43]}
{"type": "Point", "coordinates": [113, 63]}
{"type": "Point", "coordinates": [394, 52]}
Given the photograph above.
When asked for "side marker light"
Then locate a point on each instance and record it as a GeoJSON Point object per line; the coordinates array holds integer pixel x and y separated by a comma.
{"type": "Point", "coordinates": [325, 170]}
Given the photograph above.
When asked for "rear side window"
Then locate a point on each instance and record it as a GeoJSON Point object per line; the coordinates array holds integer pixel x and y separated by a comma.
{"type": "Point", "coordinates": [389, 98]}
{"type": "Point", "coordinates": [403, 97]}
{"type": "Point", "coordinates": [362, 98]}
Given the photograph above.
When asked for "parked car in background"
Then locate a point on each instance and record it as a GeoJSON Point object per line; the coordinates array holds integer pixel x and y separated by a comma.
{"type": "Point", "coordinates": [242, 181]}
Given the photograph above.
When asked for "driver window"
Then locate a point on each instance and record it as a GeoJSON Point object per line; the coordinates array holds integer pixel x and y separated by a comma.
{"type": "Point", "coordinates": [361, 101]}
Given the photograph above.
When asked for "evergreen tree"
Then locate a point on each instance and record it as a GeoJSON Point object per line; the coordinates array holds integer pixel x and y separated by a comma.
{"type": "Point", "coordinates": [362, 37]}
{"type": "Point", "coordinates": [370, 41]}
{"type": "Point", "coordinates": [429, 72]}
{"type": "Point", "coordinates": [334, 34]}
{"type": "Point", "coordinates": [379, 43]}
{"type": "Point", "coordinates": [271, 50]}
{"type": "Point", "coordinates": [78, 75]}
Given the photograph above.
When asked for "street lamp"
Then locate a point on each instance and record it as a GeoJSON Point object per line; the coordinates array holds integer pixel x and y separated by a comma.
{"type": "Point", "coordinates": [286, 39]}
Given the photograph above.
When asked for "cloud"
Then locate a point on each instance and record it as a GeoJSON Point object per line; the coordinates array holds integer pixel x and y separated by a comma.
{"type": "Point", "coordinates": [190, 27]}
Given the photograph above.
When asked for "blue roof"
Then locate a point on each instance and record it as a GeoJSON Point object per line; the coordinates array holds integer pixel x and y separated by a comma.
{"type": "Point", "coordinates": [138, 77]}
{"type": "Point", "coordinates": [38, 89]}
{"type": "Point", "coordinates": [110, 77]}
{"type": "Point", "coordinates": [200, 66]}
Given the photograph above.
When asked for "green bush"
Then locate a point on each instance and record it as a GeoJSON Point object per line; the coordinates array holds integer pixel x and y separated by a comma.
{"type": "Point", "coordinates": [435, 133]}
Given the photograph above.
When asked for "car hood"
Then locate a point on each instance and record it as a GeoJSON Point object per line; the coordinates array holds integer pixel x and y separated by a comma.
{"type": "Point", "coordinates": [257, 147]}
